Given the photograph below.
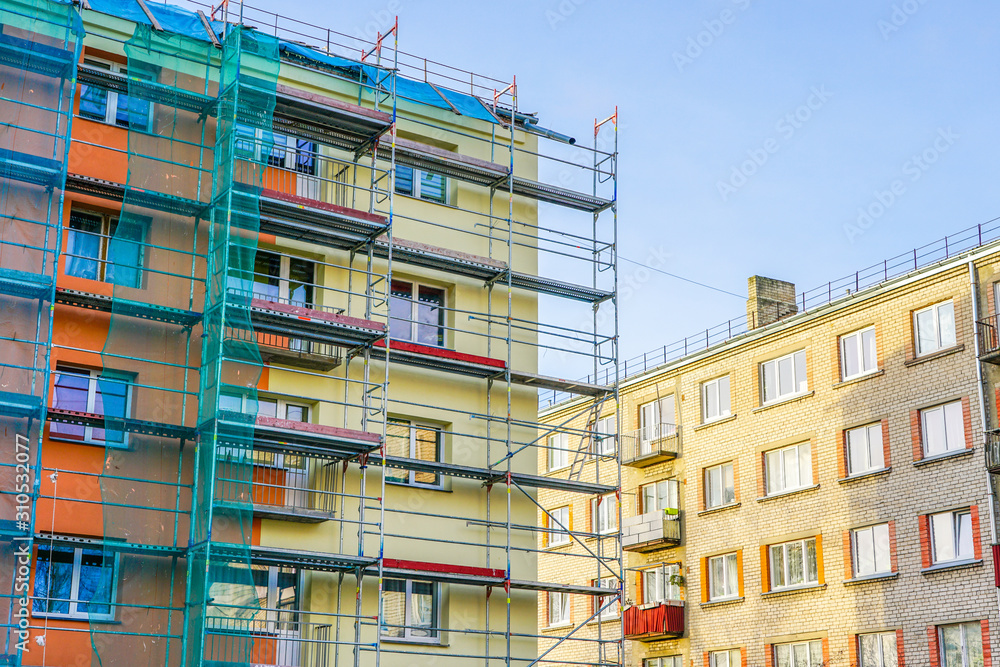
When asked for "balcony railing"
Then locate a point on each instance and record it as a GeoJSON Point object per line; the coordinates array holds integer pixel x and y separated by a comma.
{"type": "Point", "coordinates": [654, 622]}
{"type": "Point", "coordinates": [272, 637]}
{"type": "Point", "coordinates": [651, 531]}
{"type": "Point", "coordinates": [993, 451]}
{"type": "Point", "coordinates": [650, 444]}
{"type": "Point", "coordinates": [280, 486]}
{"type": "Point", "coordinates": [988, 331]}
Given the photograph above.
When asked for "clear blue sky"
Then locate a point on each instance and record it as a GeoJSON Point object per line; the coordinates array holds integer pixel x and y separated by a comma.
{"type": "Point", "coordinates": [704, 86]}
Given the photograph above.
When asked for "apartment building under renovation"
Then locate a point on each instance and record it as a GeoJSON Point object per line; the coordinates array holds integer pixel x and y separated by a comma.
{"type": "Point", "coordinates": [805, 486]}
{"type": "Point", "coordinates": [271, 309]}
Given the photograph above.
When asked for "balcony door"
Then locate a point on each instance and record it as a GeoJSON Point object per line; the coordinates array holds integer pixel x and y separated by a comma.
{"type": "Point", "coordinates": [656, 420]}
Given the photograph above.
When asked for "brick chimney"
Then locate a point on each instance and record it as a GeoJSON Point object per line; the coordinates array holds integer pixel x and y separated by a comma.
{"type": "Point", "coordinates": [768, 301]}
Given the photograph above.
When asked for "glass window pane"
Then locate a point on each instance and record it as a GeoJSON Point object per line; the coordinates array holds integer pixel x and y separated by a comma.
{"type": "Point", "coordinates": [795, 556]}
{"type": "Point", "coordinates": [728, 485]}
{"type": "Point", "coordinates": [869, 352]}
{"type": "Point", "coordinates": [790, 467]}
{"type": "Point", "coordinates": [404, 180]}
{"type": "Point", "coordinates": [942, 528]}
{"type": "Point", "coordinates": [296, 413]}
{"type": "Point", "coordinates": [963, 523]}
{"type": "Point", "coordinates": [401, 310]}
{"type": "Point", "coordinates": [432, 187]}
{"type": "Point", "coordinates": [724, 395]}
{"type": "Point", "coordinates": [267, 276]}
{"type": "Point", "coordinates": [926, 335]}
{"type": "Point", "coordinates": [876, 454]}
{"type": "Point", "coordinates": [94, 100]}
{"type": "Point", "coordinates": [713, 492]}
{"type": "Point", "coordinates": [710, 397]}
{"type": "Point", "coordinates": [880, 537]}
{"type": "Point", "coordinates": [804, 452]}
{"type": "Point", "coordinates": [95, 585]}
{"type": "Point", "coordinates": [301, 278]}
{"type": "Point", "coordinates": [267, 407]}
{"type": "Point", "coordinates": [775, 480]}
{"type": "Point", "coordinates": [857, 451]}
{"type": "Point", "coordinates": [716, 577]}
{"type": "Point", "coordinates": [951, 642]}
{"type": "Point", "coordinates": [125, 252]}
{"type": "Point", "coordinates": [83, 245]}
{"type": "Point", "coordinates": [132, 112]}
{"type": "Point", "coordinates": [71, 393]}
{"type": "Point", "coordinates": [786, 376]}
{"type": "Point", "coordinates": [53, 579]}
{"type": "Point", "coordinates": [769, 371]}
{"type": "Point", "coordinates": [305, 157]}
{"type": "Point", "coordinates": [422, 610]}
{"type": "Point", "coordinates": [849, 351]}
{"type": "Point", "coordinates": [732, 575]}
{"type": "Point", "coordinates": [800, 653]}
{"type": "Point", "coordinates": [946, 323]}
{"type": "Point", "coordinates": [954, 426]}
{"type": "Point", "coordinates": [430, 316]}
{"type": "Point", "coordinates": [973, 644]}
{"type": "Point", "coordinates": [812, 566]}
{"type": "Point", "coordinates": [393, 607]}
{"type": "Point", "coordinates": [934, 431]}
{"type": "Point", "coordinates": [426, 448]}
{"type": "Point", "coordinates": [110, 399]}
{"type": "Point", "coordinates": [870, 651]}
{"type": "Point", "coordinates": [864, 552]}
{"type": "Point", "coordinates": [777, 566]}
{"type": "Point", "coordinates": [397, 444]}
{"type": "Point", "coordinates": [801, 382]}
{"type": "Point", "coordinates": [889, 654]}
{"type": "Point", "coordinates": [783, 653]}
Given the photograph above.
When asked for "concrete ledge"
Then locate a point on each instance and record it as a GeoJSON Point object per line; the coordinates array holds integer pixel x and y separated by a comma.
{"type": "Point", "coordinates": [790, 399]}
{"type": "Point", "coordinates": [865, 475]}
{"type": "Point", "coordinates": [944, 457]}
{"type": "Point", "coordinates": [871, 578]}
{"type": "Point", "coordinates": [952, 565]}
{"type": "Point", "coordinates": [934, 355]}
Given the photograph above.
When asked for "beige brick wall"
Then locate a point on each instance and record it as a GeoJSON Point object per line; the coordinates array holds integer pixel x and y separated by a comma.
{"type": "Point", "coordinates": [835, 611]}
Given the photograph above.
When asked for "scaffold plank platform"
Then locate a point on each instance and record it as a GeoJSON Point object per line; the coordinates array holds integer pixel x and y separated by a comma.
{"type": "Point", "coordinates": [24, 284]}
{"type": "Point", "coordinates": [107, 304]}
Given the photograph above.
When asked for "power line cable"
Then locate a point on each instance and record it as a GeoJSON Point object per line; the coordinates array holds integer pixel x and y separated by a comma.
{"type": "Point", "coordinates": [687, 280]}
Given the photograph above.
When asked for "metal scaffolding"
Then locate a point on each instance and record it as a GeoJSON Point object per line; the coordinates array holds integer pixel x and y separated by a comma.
{"type": "Point", "coordinates": [224, 470]}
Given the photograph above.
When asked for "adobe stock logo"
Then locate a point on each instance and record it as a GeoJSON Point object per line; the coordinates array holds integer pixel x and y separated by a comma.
{"type": "Point", "coordinates": [914, 168]}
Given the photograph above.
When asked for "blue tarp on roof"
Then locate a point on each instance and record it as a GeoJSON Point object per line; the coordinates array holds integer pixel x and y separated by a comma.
{"type": "Point", "coordinates": [173, 19]}
{"type": "Point", "coordinates": [185, 22]}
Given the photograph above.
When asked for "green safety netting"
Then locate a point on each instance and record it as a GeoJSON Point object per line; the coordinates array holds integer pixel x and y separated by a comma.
{"type": "Point", "coordinates": [39, 49]}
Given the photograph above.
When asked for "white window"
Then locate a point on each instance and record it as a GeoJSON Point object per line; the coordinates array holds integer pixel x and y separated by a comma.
{"type": "Point", "coordinates": [666, 661]}
{"type": "Point", "coordinates": [656, 420]}
{"type": "Point", "coordinates": [784, 377]}
{"type": "Point", "coordinates": [74, 582]}
{"type": "Point", "coordinates": [114, 108]}
{"type": "Point", "coordinates": [558, 451]}
{"type": "Point", "coordinates": [606, 606]}
{"type": "Point", "coordinates": [558, 609]}
{"type": "Point", "coordinates": [935, 327]}
{"type": "Point", "coordinates": [275, 408]}
{"type": "Point", "coordinates": [864, 449]}
{"type": "Point", "coordinates": [103, 393]}
{"type": "Point", "coordinates": [729, 658]}
{"type": "Point", "coordinates": [858, 354]}
{"type": "Point", "coordinates": [943, 429]}
{"type": "Point", "coordinates": [870, 547]}
{"type": "Point", "coordinates": [715, 399]}
{"type": "Point", "coordinates": [951, 536]}
{"type": "Point", "coordinates": [720, 486]}
{"type": "Point", "coordinates": [421, 184]}
{"type": "Point", "coordinates": [788, 468]}
{"type": "Point", "coordinates": [661, 583]}
{"type": "Point", "coordinates": [558, 527]}
{"type": "Point", "coordinates": [723, 577]}
{"type": "Point", "coordinates": [961, 645]}
{"type": "Point", "coordinates": [277, 278]}
{"type": "Point", "coordinates": [605, 513]}
{"type": "Point", "coordinates": [878, 649]}
{"type": "Point", "coordinates": [412, 440]}
{"type": "Point", "coordinates": [793, 564]}
{"type": "Point", "coordinates": [416, 313]}
{"type": "Point", "coordinates": [410, 610]}
{"type": "Point", "coordinates": [605, 430]}
{"type": "Point", "coordinates": [799, 654]}
{"type": "Point", "coordinates": [662, 496]}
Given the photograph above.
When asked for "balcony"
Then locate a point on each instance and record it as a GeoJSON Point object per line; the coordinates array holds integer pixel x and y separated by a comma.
{"type": "Point", "coordinates": [653, 622]}
{"type": "Point", "coordinates": [993, 451]}
{"type": "Point", "coordinates": [988, 331]}
{"type": "Point", "coordinates": [650, 445]}
{"type": "Point", "coordinates": [651, 531]}
{"type": "Point", "coordinates": [271, 637]}
{"type": "Point", "coordinates": [281, 486]}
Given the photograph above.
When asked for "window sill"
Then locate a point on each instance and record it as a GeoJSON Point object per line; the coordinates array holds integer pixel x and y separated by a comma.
{"type": "Point", "coordinates": [423, 487]}
{"type": "Point", "coordinates": [88, 443]}
{"type": "Point", "coordinates": [793, 590]}
{"type": "Point", "coordinates": [783, 401]}
{"type": "Point", "coordinates": [720, 508]}
{"type": "Point", "coordinates": [865, 475]}
{"type": "Point", "coordinates": [934, 355]}
{"type": "Point", "coordinates": [785, 494]}
{"type": "Point", "coordinates": [413, 642]}
{"type": "Point", "coordinates": [871, 578]}
{"type": "Point", "coordinates": [944, 457]}
{"type": "Point", "coordinates": [598, 621]}
{"type": "Point", "coordinates": [722, 602]}
{"type": "Point", "coordinates": [860, 378]}
{"type": "Point", "coordinates": [556, 547]}
{"type": "Point", "coordinates": [952, 565]}
{"type": "Point", "coordinates": [561, 626]}
{"type": "Point", "coordinates": [721, 420]}
{"type": "Point", "coordinates": [78, 619]}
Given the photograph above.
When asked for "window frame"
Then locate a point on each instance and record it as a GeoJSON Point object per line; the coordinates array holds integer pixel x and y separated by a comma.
{"type": "Point", "coordinates": [956, 520]}
{"type": "Point", "coordinates": [786, 564]}
{"type": "Point", "coordinates": [964, 632]}
{"type": "Point", "coordinates": [412, 320]}
{"type": "Point", "coordinates": [769, 476]}
{"type": "Point", "coordinates": [939, 341]}
{"type": "Point", "coordinates": [555, 453]}
{"type": "Point", "coordinates": [721, 467]}
{"type": "Point", "coordinates": [416, 185]}
{"type": "Point", "coordinates": [111, 96]}
{"type": "Point", "coordinates": [727, 585]}
{"type": "Point", "coordinates": [881, 639]}
{"type": "Point", "coordinates": [925, 431]}
{"type": "Point", "coordinates": [435, 631]}
{"type": "Point", "coordinates": [664, 661]}
{"type": "Point", "coordinates": [856, 550]}
{"type": "Point", "coordinates": [714, 385]}
{"type": "Point", "coordinates": [414, 426]}
{"type": "Point", "coordinates": [731, 661]}
{"type": "Point", "coordinates": [555, 531]}
{"type": "Point", "coordinates": [650, 433]}
{"type": "Point", "coordinates": [94, 377]}
{"type": "Point", "coordinates": [870, 450]}
{"type": "Point", "coordinates": [603, 436]}
{"type": "Point", "coordinates": [597, 511]}
{"type": "Point", "coordinates": [673, 489]}
{"type": "Point", "coordinates": [670, 576]}
{"type": "Point", "coordinates": [859, 346]}
{"type": "Point", "coordinates": [800, 384]}
{"type": "Point", "coordinates": [809, 644]}
{"type": "Point", "coordinates": [284, 280]}
{"type": "Point", "coordinates": [73, 600]}
{"type": "Point", "coordinates": [109, 223]}
{"type": "Point", "coordinates": [565, 617]}
{"type": "Point", "coordinates": [611, 612]}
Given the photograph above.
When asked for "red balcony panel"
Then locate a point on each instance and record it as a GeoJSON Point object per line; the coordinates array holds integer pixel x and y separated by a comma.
{"type": "Point", "coordinates": [650, 623]}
